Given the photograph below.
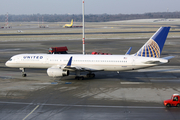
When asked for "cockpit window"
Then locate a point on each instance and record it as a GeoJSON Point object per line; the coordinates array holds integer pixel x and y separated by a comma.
{"type": "Point", "coordinates": [10, 59]}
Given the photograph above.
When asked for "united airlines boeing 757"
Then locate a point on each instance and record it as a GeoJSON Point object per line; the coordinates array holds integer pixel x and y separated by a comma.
{"type": "Point", "coordinates": [59, 65]}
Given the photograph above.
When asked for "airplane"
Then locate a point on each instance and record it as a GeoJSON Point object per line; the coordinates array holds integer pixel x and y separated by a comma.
{"type": "Point", "coordinates": [69, 25]}
{"type": "Point", "coordinates": [59, 65]}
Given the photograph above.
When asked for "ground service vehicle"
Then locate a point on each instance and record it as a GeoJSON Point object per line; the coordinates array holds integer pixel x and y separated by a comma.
{"type": "Point", "coordinates": [174, 101]}
{"type": "Point", "coordinates": [58, 50]}
{"type": "Point", "coordinates": [99, 53]}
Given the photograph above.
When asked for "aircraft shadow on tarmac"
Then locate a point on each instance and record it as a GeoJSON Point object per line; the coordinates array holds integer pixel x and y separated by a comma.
{"type": "Point", "coordinates": [130, 76]}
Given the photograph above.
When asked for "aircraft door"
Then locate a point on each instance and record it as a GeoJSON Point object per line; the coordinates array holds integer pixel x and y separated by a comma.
{"type": "Point", "coordinates": [45, 60]}
{"type": "Point", "coordinates": [133, 63]}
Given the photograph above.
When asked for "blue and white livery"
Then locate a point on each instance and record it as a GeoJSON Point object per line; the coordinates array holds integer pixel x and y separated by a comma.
{"type": "Point", "coordinates": [59, 65]}
{"type": "Point", "coordinates": [153, 47]}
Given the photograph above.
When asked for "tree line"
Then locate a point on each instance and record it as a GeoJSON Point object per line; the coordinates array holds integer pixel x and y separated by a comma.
{"type": "Point", "coordinates": [88, 18]}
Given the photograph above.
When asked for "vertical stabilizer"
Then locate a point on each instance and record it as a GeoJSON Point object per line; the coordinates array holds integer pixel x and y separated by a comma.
{"type": "Point", "coordinates": [153, 47]}
{"type": "Point", "coordinates": [72, 22]}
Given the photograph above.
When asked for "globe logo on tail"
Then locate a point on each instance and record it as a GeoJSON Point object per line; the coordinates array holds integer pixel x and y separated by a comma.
{"type": "Point", "coordinates": [150, 49]}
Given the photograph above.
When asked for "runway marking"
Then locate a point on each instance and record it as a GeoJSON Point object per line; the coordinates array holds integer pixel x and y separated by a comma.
{"type": "Point", "coordinates": [2, 50]}
{"type": "Point", "coordinates": [103, 106]}
{"type": "Point", "coordinates": [31, 112]}
{"type": "Point", "coordinates": [158, 77]}
{"type": "Point", "coordinates": [21, 103]}
{"type": "Point", "coordinates": [134, 83]}
{"type": "Point", "coordinates": [165, 80]}
{"type": "Point", "coordinates": [92, 106]}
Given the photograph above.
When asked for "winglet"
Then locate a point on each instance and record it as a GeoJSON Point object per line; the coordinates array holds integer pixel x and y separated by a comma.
{"type": "Point", "coordinates": [69, 62]}
{"type": "Point", "coordinates": [128, 52]}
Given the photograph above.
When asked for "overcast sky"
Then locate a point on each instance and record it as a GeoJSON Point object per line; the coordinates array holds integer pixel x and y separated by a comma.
{"type": "Point", "coordinates": [91, 6]}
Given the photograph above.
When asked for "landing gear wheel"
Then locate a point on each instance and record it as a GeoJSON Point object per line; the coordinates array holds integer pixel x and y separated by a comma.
{"type": "Point", "coordinates": [178, 105]}
{"type": "Point", "coordinates": [23, 72]}
{"type": "Point", "coordinates": [168, 105]}
{"type": "Point", "coordinates": [79, 77]}
{"type": "Point", "coordinates": [90, 75]}
{"type": "Point", "coordinates": [93, 75]}
{"type": "Point", "coordinates": [24, 75]}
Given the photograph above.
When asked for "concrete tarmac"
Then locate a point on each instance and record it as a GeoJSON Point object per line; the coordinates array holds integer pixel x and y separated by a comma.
{"type": "Point", "coordinates": [136, 95]}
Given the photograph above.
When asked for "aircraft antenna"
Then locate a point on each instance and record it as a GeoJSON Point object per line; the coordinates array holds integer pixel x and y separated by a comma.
{"type": "Point", "coordinates": [83, 40]}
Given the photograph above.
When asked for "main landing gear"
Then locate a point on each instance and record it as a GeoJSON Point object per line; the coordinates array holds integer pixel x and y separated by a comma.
{"type": "Point", "coordinates": [89, 75]}
{"type": "Point", "coordinates": [23, 72]}
{"type": "Point", "coordinates": [79, 77]}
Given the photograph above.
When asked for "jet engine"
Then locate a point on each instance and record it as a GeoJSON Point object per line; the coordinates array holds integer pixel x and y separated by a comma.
{"type": "Point", "coordinates": [56, 72]}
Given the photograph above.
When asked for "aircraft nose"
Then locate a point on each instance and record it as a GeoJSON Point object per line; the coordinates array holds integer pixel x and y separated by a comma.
{"type": "Point", "coordinates": [7, 63]}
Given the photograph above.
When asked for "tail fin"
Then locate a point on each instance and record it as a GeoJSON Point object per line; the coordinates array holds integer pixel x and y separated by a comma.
{"type": "Point", "coordinates": [154, 46]}
{"type": "Point", "coordinates": [72, 22]}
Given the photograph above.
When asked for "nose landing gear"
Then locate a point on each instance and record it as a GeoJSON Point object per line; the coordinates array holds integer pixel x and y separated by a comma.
{"type": "Point", "coordinates": [23, 72]}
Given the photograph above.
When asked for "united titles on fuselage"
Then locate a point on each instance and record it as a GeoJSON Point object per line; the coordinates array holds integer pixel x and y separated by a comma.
{"type": "Point", "coordinates": [33, 57]}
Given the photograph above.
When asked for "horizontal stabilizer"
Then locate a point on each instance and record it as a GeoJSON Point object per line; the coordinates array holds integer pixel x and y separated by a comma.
{"type": "Point", "coordinates": [159, 61]}
{"type": "Point", "coordinates": [152, 62]}
{"type": "Point", "coordinates": [169, 57]}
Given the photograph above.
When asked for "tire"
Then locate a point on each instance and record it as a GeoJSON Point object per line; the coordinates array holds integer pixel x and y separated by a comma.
{"type": "Point", "coordinates": [88, 75]}
{"type": "Point", "coordinates": [92, 75]}
{"type": "Point", "coordinates": [24, 75]}
{"type": "Point", "coordinates": [79, 77]}
{"type": "Point", "coordinates": [168, 105]}
{"type": "Point", "coordinates": [178, 105]}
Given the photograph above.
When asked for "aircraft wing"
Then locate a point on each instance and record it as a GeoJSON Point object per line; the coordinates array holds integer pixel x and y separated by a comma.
{"type": "Point", "coordinates": [78, 68]}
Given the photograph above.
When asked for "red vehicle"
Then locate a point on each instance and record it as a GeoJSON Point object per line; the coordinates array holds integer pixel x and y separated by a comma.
{"type": "Point", "coordinates": [174, 101]}
{"type": "Point", "coordinates": [99, 53]}
{"type": "Point", "coordinates": [77, 26]}
{"type": "Point", "coordinates": [58, 50]}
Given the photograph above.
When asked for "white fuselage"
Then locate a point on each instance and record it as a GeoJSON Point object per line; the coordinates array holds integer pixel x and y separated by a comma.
{"type": "Point", "coordinates": [95, 62]}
